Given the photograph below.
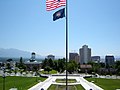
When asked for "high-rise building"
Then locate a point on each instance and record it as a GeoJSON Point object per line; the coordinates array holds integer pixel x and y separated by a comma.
{"type": "Point", "coordinates": [95, 59]}
{"type": "Point", "coordinates": [109, 60]}
{"type": "Point", "coordinates": [85, 54]}
{"type": "Point", "coordinates": [74, 56]}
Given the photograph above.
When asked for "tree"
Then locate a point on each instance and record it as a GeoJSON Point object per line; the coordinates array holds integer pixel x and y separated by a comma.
{"type": "Point", "coordinates": [47, 68]}
{"type": "Point", "coordinates": [9, 60]}
{"type": "Point", "coordinates": [24, 67]}
{"type": "Point", "coordinates": [21, 64]}
{"type": "Point", "coordinates": [95, 66]}
{"type": "Point", "coordinates": [21, 60]}
{"type": "Point", "coordinates": [3, 65]}
{"type": "Point", "coordinates": [50, 63]}
{"type": "Point", "coordinates": [58, 65]}
{"type": "Point", "coordinates": [8, 66]}
{"type": "Point", "coordinates": [117, 66]}
{"type": "Point", "coordinates": [61, 65]}
{"type": "Point", "coordinates": [44, 63]}
{"type": "Point", "coordinates": [118, 70]}
{"type": "Point", "coordinates": [72, 66]}
{"type": "Point", "coordinates": [55, 66]}
{"type": "Point", "coordinates": [35, 68]}
{"type": "Point", "coordinates": [102, 65]}
{"type": "Point", "coordinates": [15, 70]}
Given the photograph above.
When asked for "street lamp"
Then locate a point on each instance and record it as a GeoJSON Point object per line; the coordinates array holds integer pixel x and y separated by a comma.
{"type": "Point", "coordinates": [36, 76]}
{"type": "Point", "coordinates": [3, 78]}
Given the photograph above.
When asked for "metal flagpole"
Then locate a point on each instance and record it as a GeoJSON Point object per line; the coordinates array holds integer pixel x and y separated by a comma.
{"type": "Point", "coordinates": [66, 44]}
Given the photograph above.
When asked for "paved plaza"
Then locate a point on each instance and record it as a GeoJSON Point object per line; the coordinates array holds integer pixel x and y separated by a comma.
{"type": "Point", "coordinates": [51, 80]}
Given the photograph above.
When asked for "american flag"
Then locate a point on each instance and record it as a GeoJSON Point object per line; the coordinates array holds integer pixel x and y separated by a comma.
{"type": "Point", "coordinates": [53, 4]}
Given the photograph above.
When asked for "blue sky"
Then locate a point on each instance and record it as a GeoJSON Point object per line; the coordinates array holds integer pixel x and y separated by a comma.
{"type": "Point", "coordinates": [26, 25]}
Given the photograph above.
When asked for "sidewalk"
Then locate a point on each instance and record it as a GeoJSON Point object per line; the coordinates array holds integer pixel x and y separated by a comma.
{"type": "Point", "coordinates": [45, 85]}
{"type": "Point", "coordinates": [88, 85]}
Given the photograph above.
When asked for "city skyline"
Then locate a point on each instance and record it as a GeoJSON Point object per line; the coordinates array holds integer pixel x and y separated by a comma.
{"type": "Point", "coordinates": [27, 26]}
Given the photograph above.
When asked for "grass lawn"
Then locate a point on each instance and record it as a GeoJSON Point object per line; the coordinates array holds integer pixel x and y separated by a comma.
{"type": "Point", "coordinates": [22, 83]}
{"type": "Point", "coordinates": [64, 80]}
{"type": "Point", "coordinates": [79, 87]}
{"type": "Point", "coordinates": [61, 87]}
{"type": "Point", "coordinates": [51, 72]}
{"type": "Point", "coordinates": [106, 84]}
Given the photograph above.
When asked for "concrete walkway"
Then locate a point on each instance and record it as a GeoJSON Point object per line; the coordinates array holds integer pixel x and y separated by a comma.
{"type": "Point", "coordinates": [44, 84]}
{"type": "Point", "coordinates": [89, 85]}
{"type": "Point", "coordinates": [51, 80]}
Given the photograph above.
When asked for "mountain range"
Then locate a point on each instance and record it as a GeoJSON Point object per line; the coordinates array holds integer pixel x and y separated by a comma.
{"type": "Point", "coordinates": [16, 53]}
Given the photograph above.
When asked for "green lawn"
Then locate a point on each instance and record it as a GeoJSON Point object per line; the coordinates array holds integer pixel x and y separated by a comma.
{"type": "Point", "coordinates": [106, 84]}
{"type": "Point", "coordinates": [79, 87]}
{"type": "Point", "coordinates": [61, 87]}
{"type": "Point", "coordinates": [22, 83]}
{"type": "Point", "coordinates": [64, 80]}
{"type": "Point", "coordinates": [51, 72]}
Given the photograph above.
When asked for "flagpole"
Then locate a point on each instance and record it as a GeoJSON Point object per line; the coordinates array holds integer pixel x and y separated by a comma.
{"type": "Point", "coordinates": [66, 45]}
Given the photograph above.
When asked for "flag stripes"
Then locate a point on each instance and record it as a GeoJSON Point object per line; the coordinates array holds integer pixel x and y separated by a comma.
{"type": "Point", "coordinates": [53, 4]}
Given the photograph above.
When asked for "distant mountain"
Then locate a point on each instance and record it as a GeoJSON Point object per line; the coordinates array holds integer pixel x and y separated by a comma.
{"type": "Point", "coordinates": [15, 53]}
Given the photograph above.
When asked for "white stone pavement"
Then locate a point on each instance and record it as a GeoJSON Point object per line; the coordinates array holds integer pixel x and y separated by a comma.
{"type": "Point", "coordinates": [51, 80]}
{"type": "Point", "coordinates": [44, 84]}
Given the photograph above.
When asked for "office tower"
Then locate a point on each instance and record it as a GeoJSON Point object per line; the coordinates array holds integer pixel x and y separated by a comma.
{"type": "Point", "coordinates": [95, 59]}
{"type": "Point", "coordinates": [85, 54]}
{"type": "Point", "coordinates": [109, 60]}
{"type": "Point", "coordinates": [74, 56]}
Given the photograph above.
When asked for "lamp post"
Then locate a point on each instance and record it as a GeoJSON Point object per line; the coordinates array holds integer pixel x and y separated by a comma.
{"type": "Point", "coordinates": [36, 75]}
{"type": "Point", "coordinates": [3, 78]}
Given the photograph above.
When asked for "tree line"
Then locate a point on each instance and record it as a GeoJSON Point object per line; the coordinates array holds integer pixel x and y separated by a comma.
{"type": "Point", "coordinates": [59, 65]}
{"type": "Point", "coordinates": [72, 67]}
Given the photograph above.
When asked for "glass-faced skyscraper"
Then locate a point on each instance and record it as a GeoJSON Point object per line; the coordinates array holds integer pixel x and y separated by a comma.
{"type": "Point", "coordinates": [85, 54]}
{"type": "Point", "coordinates": [109, 60]}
